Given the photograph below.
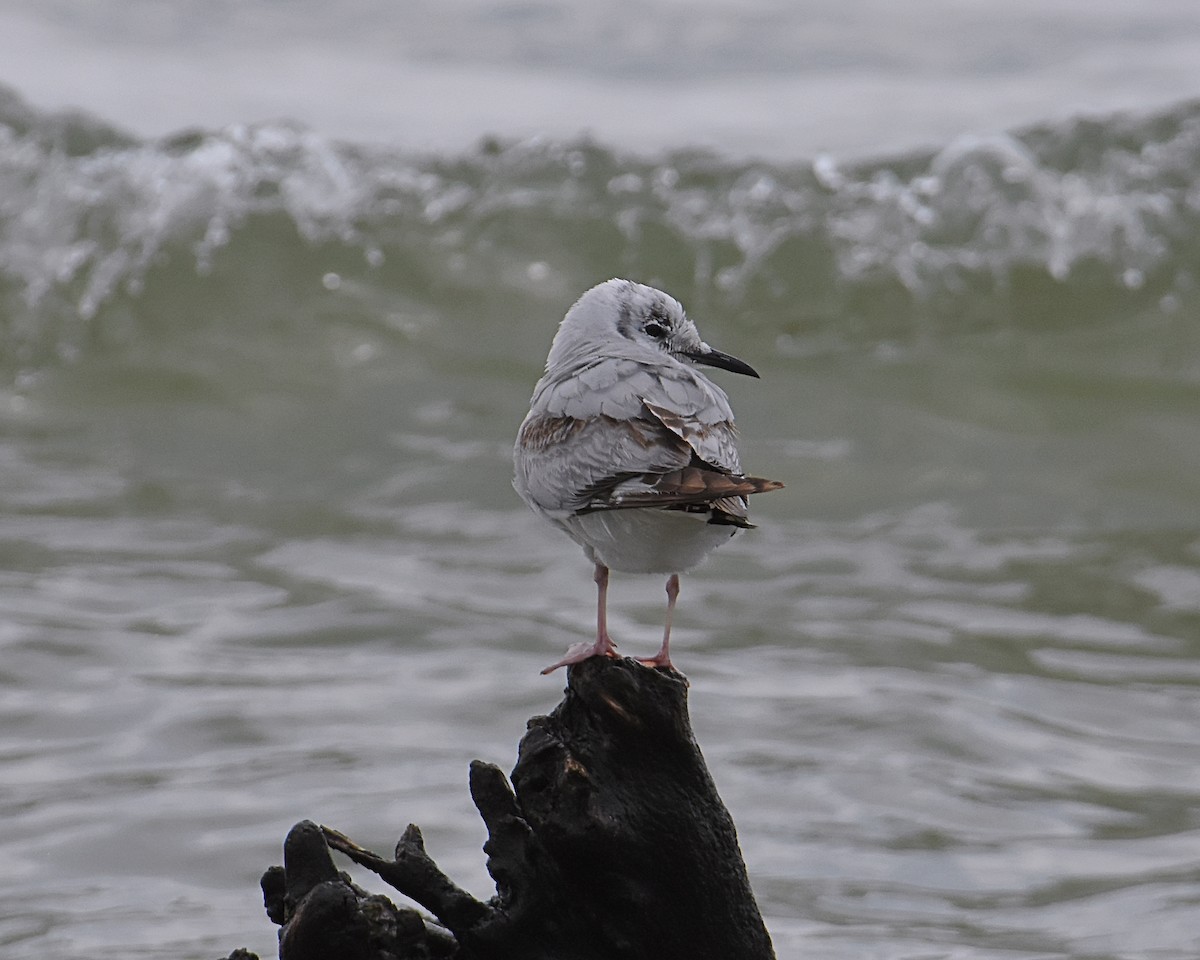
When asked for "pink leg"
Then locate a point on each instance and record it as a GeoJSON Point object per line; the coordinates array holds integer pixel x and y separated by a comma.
{"type": "Point", "coordinates": [663, 657]}
{"type": "Point", "coordinates": [604, 643]}
{"type": "Point", "coordinates": [603, 646]}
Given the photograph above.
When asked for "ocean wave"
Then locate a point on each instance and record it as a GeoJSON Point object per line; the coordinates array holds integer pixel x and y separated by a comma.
{"type": "Point", "coordinates": [104, 237]}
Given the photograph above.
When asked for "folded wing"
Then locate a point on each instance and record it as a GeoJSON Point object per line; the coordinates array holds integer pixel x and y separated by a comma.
{"type": "Point", "coordinates": [658, 459]}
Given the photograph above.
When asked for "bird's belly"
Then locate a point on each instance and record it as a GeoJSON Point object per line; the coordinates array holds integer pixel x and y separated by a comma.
{"type": "Point", "coordinates": [648, 541]}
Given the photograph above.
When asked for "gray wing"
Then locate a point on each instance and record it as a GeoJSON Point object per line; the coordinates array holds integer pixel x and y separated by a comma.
{"type": "Point", "coordinates": [566, 464]}
{"type": "Point", "coordinates": [618, 434]}
{"type": "Point", "coordinates": [614, 387]}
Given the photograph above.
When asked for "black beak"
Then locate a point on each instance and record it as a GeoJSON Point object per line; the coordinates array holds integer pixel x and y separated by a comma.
{"type": "Point", "coordinates": [715, 358]}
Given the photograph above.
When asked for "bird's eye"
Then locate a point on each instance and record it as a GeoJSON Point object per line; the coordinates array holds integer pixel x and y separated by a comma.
{"type": "Point", "coordinates": [655, 329]}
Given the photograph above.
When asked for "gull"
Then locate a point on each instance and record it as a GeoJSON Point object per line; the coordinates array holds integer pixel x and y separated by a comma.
{"type": "Point", "coordinates": [631, 450]}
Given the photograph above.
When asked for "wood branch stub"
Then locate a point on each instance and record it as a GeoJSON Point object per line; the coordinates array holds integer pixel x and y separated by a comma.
{"type": "Point", "coordinates": [611, 843]}
{"type": "Point", "coordinates": [613, 785]}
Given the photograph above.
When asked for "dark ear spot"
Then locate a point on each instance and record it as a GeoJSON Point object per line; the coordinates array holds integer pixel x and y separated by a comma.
{"type": "Point", "coordinates": [625, 323]}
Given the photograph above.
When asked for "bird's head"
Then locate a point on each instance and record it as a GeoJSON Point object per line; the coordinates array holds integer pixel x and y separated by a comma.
{"type": "Point", "coordinates": [620, 318]}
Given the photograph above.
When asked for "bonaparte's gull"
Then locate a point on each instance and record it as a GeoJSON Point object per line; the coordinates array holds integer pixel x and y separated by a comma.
{"type": "Point", "coordinates": [631, 450]}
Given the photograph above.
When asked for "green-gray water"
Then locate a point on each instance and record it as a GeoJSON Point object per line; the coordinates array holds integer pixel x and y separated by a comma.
{"type": "Point", "coordinates": [261, 558]}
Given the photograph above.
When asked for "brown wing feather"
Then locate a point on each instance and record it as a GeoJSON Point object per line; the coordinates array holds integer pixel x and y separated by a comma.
{"type": "Point", "coordinates": [694, 484]}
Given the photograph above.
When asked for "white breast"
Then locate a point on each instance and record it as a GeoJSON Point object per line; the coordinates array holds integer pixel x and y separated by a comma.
{"type": "Point", "coordinates": [647, 541]}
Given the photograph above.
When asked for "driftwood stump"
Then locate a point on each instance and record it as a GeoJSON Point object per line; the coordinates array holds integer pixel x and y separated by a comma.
{"type": "Point", "coordinates": [611, 844]}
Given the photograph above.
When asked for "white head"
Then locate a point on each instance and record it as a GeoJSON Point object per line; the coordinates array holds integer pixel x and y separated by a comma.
{"type": "Point", "coordinates": [620, 318]}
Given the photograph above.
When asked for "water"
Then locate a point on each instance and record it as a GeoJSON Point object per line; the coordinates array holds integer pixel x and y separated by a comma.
{"type": "Point", "coordinates": [261, 559]}
{"type": "Point", "coordinates": [762, 77]}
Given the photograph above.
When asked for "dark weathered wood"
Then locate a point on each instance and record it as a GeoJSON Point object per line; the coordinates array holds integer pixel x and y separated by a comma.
{"type": "Point", "coordinates": [611, 844]}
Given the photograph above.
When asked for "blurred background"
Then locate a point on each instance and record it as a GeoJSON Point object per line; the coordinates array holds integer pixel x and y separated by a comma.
{"type": "Point", "coordinates": [276, 282]}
